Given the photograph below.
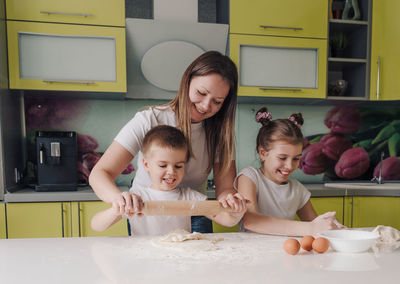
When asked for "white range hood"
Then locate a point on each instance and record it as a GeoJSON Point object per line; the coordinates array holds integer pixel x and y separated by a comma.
{"type": "Point", "coordinates": [158, 51]}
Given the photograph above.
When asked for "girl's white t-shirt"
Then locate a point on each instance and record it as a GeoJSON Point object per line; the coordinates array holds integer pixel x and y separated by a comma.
{"type": "Point", "coordinates": [131, 138]}
{"type": "Point", "coordinates": [277, 200]}
{"type": "Point", "coordinates": [160, 225]}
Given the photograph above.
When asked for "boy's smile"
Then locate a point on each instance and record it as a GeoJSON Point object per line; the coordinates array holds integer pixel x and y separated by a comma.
{"type": "Point", "coordinates": [165, 166]}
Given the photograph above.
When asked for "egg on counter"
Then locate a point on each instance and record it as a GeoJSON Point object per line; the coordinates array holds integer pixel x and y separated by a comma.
{"type": "Point", "coordinates": [291, 246]}
{"type": "Point", "coordinates": [320, 245]}
{"type": "Point", "coordinates": [306, 242]}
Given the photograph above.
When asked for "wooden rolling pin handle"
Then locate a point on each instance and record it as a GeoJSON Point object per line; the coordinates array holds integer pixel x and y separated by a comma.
{"type": "Point", "coordinates": [182, 208]}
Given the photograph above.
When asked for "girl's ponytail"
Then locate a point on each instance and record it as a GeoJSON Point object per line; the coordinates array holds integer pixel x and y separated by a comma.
{"type": "Point", "coordinates": [263, 116]}
{"type": "Point", "coordinates": [297, 119]}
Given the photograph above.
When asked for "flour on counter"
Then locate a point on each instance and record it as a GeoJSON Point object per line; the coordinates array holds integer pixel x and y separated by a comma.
{"type": "Point", "coordinates": [184, 240]}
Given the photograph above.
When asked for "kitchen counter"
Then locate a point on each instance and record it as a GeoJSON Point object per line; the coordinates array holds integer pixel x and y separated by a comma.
{"type": "Point", "coordinates": [317, 190]}
{"type": "Point", "coordinates": [238, 258]}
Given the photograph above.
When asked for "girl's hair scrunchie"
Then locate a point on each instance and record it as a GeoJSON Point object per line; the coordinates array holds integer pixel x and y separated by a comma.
{"type": "Point", "coordinates": [265, 115]}
{"type": "Point", "coordinates": [292, 119]}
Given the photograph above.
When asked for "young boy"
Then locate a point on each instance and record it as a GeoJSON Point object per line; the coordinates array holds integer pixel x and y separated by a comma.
{"type": "Point", "coordinates": [165, 153]}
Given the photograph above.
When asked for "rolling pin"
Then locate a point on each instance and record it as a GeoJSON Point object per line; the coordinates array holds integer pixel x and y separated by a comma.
{"type": "Point", "coordinates": [183, 208]}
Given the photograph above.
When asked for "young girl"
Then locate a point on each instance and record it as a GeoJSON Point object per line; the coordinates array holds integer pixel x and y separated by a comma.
{"type": "Point", "coordinates": [165, 153]}
{"type": "Point", "coordinates": [274, 198]}
{"type": "Point", "coordinates": [204, 109]}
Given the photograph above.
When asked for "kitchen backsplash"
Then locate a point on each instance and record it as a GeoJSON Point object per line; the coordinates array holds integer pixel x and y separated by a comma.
{"type": "Point", "coordinates": [343, 142]}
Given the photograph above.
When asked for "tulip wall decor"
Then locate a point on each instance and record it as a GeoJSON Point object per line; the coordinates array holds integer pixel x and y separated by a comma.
{"type": "Point", "coordinates": [351, 150]}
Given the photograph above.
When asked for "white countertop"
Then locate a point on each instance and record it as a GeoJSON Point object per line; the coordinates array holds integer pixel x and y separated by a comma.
{"type": "Point", "coordinates": [240, 258]}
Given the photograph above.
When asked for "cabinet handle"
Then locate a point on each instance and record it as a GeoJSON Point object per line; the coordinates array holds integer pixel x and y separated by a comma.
{"type": "Point", "coordinates": [62, 220]}
{"type": "Point", "coordinates": [69, 82]}
{"type": "Point", "coordinates": [377, 78]}
{"type": "Point", "coordinates": [282, 28]}
{"type": "Point", "coordinates": [79, 219]}
{"type": "Point", "coordinates": [67, 14]}
{"type": "Point", "coordinates": [277, 89]}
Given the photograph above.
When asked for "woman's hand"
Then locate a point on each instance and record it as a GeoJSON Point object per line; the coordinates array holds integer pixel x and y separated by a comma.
{"type": "Point", "coordinates": [236, 203]}
{"type": "Point", "coordinates": [126, 203]}
{"type": "Point", "coordinates": [325, 222]}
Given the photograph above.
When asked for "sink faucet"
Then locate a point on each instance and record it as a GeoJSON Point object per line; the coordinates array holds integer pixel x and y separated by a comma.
{"type": "Point", "coordinates": [378, 179]}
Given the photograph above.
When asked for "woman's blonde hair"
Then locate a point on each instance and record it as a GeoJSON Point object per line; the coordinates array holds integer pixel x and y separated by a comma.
{"type": "Point", "coordinates": [220, 127]}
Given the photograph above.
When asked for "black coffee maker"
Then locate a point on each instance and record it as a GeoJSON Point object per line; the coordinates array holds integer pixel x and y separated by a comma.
{"type": "Point", "coordinates": [56, 153]}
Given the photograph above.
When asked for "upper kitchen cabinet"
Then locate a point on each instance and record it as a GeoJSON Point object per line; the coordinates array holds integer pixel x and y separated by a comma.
{"type": "Point", "coordinates": [349, 49]}
{"type": "Point", "coordinates": [280, 47]}
{"type": "Point", "coordinates": [88, 12]}
{"type": "Point", "coordinates": [85, 54]}
{"type": "Point", "coordinates": [385, 56]}
{"type": "Point", "coordinates": [294, 18]}
{"type": "Point", "coordinates": [272, 66]}
{"type": "Point", "coordinates": [45, 56]}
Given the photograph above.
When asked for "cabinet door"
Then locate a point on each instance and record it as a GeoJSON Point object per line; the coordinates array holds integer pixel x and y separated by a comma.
{"type": "Point", "coordinates": [374, 211]}
{"type": "Point", "coordinates": [305, 18]}
{"type": "Point", "coordinates": [385, 46]}
{"type": "Point", "coordinates": [325, 204]}
{"type": "Point", "coordinates": [2, 221]}
{"type": "Point", "coordinates": [87, 210]}
{"type": "Point", "coordinates": [66, 57]}
{"type": "Point", "coordinates": [280, 67]}
{"type": "Point", "coordinates": [89, 12]}
{"type": "Point", "coordinates": [37, 220]}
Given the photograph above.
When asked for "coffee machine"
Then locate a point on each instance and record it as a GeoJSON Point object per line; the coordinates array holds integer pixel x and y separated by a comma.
{"type": "Point", "coordinates": [56, 153]}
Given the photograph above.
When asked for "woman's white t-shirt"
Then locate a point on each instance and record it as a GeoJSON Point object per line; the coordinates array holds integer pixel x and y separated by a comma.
{"type": "Point", "coordinates": [131, 138]}
{"type": "Point", "coordinates": [277, 200]}
{"type": "Point", "coordinates": [160, 225]}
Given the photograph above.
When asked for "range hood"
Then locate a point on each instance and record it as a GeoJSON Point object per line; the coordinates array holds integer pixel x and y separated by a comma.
{"type": "Point", "coordinates": [158, 51]}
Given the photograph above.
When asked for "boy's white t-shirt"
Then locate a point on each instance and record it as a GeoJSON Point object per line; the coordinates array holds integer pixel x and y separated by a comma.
{"type": "Point", "coordinates": [131, 138]}
{"type": "Point", "coordinates": [277, 200]}
{"type": "Point", "coordinates": [160, 225]}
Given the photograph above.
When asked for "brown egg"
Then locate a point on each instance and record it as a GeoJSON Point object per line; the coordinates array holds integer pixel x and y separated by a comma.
{"type": "Point", "coordinates": [306, 242]}
{"type": "Point", "coordinates": [320, 245]}
{"type": "Point", "coordinates": [291, 246]}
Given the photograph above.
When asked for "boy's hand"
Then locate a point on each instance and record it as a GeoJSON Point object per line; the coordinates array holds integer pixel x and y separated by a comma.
{"type": "Point", "coordinates": [236, 203]}
{"type": "Point", "coordinates": [127, 204]}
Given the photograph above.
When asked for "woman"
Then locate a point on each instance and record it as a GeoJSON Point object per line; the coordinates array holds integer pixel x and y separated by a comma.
{"type": "Point", "coordinates": [204, 109]}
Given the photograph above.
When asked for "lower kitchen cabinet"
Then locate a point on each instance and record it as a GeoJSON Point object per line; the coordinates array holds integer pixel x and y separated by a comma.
{"type": "Point", "coordinates": [325, 204]}
{"type": "Point", "coordinates": [217, 228]}
{"type": "Point", "coordinates": [373, 211]}
{"type": "Point", "coordinates": [38, 220]}
{"type": "Point", "coordinates": [86, 210]}
{"type": "Point", "coordinates": [3, 234]}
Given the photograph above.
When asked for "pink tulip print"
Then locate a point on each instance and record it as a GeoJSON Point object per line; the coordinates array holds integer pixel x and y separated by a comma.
{"type": "Point", "coordinates": [352, 147]}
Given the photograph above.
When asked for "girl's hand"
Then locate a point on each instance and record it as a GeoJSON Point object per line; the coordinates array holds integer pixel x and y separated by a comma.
{"type": "Point", "coordinates": [236, 203]}
{"type": "Point", "coordinates": [127, 204]}
{"type": "Point", "coordinates": [325, 222]}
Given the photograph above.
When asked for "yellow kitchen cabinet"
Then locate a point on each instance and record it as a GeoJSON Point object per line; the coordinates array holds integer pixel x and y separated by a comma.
{"type": "Point", "coordinates": [88, 12]}
{"type": "Point", "coordinates": [86, 210]}
{"type": "Point", "coordinates": [217, 228]}
{"type": "Point", "coordinates": [38, 220]}
{"type": "Point", "coordinates": [3, 233]}
{"type": "Point", "coordinates": [271, 66]}
{"type": "Point", "coordinates": [326, 204]}
{"type": "Point", "coordinates": [372, 211]}
{"type": "Point", "coordinates": [63, 57]}
{"type": "Point", "coordinates": [305, 18]}
{"type": "Point", "coordinates": [385, 46]}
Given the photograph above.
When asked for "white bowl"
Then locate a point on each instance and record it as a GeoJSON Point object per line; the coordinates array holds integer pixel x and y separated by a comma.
{"type": "Point", "coordinates": [350, 240]}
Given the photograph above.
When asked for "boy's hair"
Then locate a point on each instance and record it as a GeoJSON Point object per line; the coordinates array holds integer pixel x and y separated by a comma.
{"type": "Point", "coordinates": [288, 129]}
{"type": "Point", "coordinates": [219, 128]}
{"type": "Point", "coordinates": [167, 137]}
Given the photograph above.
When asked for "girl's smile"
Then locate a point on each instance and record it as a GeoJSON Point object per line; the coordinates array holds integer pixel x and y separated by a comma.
{"type": "Point", "coordinates": [280, 161]}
